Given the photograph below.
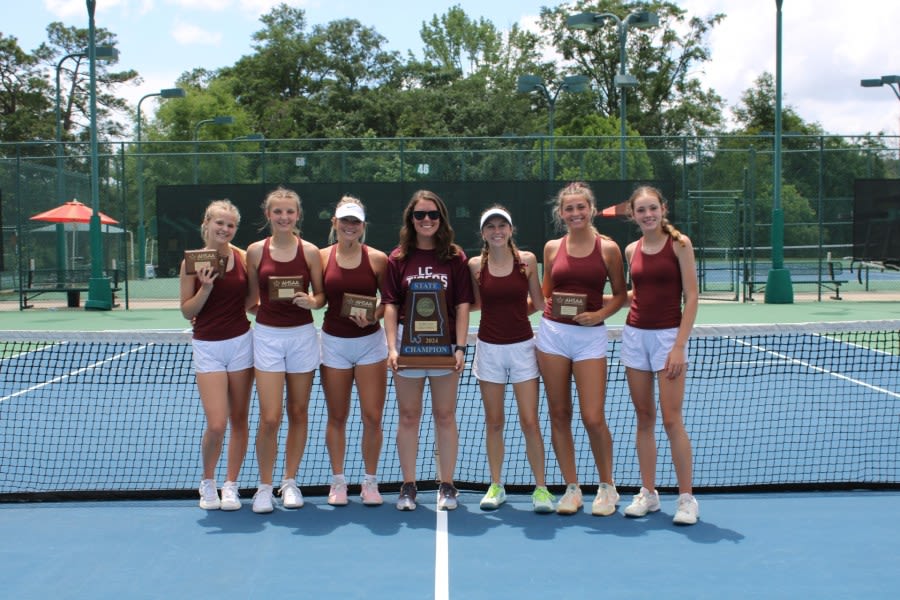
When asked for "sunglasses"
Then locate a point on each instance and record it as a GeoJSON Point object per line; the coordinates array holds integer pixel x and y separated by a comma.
{"type": "Point", "coordinates": [419, 215]}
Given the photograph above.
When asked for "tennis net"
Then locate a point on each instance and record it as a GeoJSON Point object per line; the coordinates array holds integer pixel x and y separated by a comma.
{"type": "Point", "coordinates": [117, 414]}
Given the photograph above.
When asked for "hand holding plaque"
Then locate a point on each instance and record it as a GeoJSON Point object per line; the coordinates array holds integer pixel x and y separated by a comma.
{"type": "Point", "coordinates": [426, 341]}
{"type": "Point", "coordinates": [357, 305]}
{"type": "Point", "coordinates": [566, 305]}
{"type": "Point", "coordinates": [284, 288]}
{"type": "Point", "coordinates": [202, 259]}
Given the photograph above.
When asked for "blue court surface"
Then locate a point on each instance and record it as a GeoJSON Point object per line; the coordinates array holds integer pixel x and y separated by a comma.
{"type": "Point", "coordinates": [783, 545]}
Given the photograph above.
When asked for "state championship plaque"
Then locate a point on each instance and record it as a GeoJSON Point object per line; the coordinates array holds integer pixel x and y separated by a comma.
{"type": "Point", "coordinates": [426, 342]}
{"type": "Point", "coordinates": [566, 306]}
{"type": "Point", "coordinates": [357, 305]}
{"type": "Point", "coordinates": [284, 288]}
{"type": "Point", "coordinates": [199, 259]}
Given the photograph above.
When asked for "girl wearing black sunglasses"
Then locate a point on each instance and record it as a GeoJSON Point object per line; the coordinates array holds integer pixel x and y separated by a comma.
{"type": "Point", "coordinates": [426, 251]}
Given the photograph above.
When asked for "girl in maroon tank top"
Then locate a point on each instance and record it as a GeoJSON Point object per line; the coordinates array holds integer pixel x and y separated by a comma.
{"type": "Point", "coordinates": [664, 300]}
{"type": "Point", "coordinates": [223, 353]}
{"type": "Point", "coordinates": [578, 348]}
{"type": "Point", "coordinates": [507, 290]}
{"type": "Point", "coordinates": [286, 348]}
{"type": "Point", "coordinates": [353, 348]}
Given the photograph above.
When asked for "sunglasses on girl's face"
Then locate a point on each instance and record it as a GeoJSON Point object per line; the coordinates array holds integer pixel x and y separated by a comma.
{"type": "Point", "coordinates": [419, 215]}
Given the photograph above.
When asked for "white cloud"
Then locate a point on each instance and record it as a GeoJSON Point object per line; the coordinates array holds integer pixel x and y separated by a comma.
{"type": "Point", "coordinates": [188, 34]}
{"type": "Point", "coordinates": [259, 7]}
{"type": "Point", "coordinates": [201, 5]}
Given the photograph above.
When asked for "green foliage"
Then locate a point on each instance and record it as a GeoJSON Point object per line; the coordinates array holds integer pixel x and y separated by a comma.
{"type": "Point", "coordinates": [669, 99]}
{"type": "Point", "coordinates": [23, 95]}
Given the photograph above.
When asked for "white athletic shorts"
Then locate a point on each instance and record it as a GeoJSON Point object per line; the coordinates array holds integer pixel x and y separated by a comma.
{"type": "Point", "coordinates": [574, 342]}
{"type": "Point", "coordinates": [499, 363]}
{"type": "Point", "coordinates": [235, 354]}
{"type": "Point", "coordinates": [417, 373]}
{"type": "Point", "coordinates": [346, 353]}
{"type": "Point", "coordinates": [286, 349]}
{"type": "Point", "coordinates": [647, 349]}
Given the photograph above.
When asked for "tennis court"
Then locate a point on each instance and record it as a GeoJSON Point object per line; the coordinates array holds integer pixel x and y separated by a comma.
{"type": "Point", "coordinates": [804, 417]}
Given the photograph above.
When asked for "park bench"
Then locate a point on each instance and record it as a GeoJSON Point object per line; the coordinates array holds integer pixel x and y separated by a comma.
{"type": "Point", "coordinates": [828, 275]}
{"type": "Point", "coordinates": [71, 282]}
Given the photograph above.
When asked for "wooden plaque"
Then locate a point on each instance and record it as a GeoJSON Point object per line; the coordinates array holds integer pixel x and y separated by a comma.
{"type": "Point", "coordinates": [358, 305]}
{"type": "Point", "coordinates": [427, 341]}
{"type": "Point", "coordinates": [566, 305]}
{"type": "Point", "coordinates": [199, 259]}
{"type": "Point", "coordinates": [284, 288]}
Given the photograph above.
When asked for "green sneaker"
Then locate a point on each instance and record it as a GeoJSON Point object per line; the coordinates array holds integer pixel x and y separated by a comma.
{"type": "Point", "coordinates": [542, 500]}
{"type": "Point", "coordinates": [494, 497]}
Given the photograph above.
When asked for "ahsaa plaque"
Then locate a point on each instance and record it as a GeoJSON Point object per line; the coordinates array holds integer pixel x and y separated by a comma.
{"type": "Point", "coordinates": [566, 305]}
{"type": "Point", "coordinates": [284, 287]}
{"type": "Point", "coordinates": [201, 259]}
{"type": "Point", "coordinates": [358, 305]}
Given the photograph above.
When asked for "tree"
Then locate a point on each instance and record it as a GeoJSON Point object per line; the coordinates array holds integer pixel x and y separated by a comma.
{"type": "Point", "coordinates": [75, 81]}
{"type": "Point", "coordinates": [668, 99]}
{"type": "Point", "coordinates": [23, 95]}
{"type": "Point", "coordinates": [317, 83]}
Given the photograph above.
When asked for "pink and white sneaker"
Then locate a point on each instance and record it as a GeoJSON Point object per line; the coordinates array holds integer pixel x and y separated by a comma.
{"type": "Point", "coordinates": [370, 494]}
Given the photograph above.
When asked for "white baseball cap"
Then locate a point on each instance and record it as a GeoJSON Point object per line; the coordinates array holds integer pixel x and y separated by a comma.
{"type": "Point", "coordinates": [350, 209]}
{"type": "Point", "coordinates": [496, 212]}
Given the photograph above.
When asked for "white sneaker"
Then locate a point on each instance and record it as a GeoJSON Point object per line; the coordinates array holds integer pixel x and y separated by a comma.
{"type": "Point", "coordinates": [495, 496]}
{"type": "Point", "coordinates": [209, 497]}
{"type": "Point", "coordinates": [291, 497]}
{"type": "Point", "coordinates": [688, 510]}
{"type": "Point", "coordinates": [643, 503]}
{"type": "Point", "coordinates": [231, 498]}
{"type": "Point", "coordinates": [370, 494]}
{"type": "Point", "coordinates": [571, 501]}
{"type": "Point", "coordinates": [262, 499]}
{"type": "Point", "coordinates": [605, 502]}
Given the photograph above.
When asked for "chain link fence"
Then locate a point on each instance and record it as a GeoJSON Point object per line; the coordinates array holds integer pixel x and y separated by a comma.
{"type": "Point", "coordinates": [719, 189]}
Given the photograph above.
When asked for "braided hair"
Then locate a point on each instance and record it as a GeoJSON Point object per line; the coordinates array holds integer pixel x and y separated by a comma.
{"type": "Point", "coordinates": [485, 247]}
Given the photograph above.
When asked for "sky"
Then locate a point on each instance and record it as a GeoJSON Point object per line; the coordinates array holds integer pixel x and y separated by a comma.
{"type": "Point", "coordinates": [828, 45]}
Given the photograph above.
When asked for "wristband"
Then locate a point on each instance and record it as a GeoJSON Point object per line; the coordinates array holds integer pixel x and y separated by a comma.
{"type": "Point", "coordinates": [461, 349]}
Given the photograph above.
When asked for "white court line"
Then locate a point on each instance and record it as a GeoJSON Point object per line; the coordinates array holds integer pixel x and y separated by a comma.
{"type": "Point", "coordinates": [819, 369]}
{"type": "Point", "coordinates": [73, 373]}
{"type": "Point", "coordinates": [441, 558]}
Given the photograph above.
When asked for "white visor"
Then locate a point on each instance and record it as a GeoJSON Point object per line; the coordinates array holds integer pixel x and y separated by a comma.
{"type": "Point", "coordinates": [350, 210]}
{"type": "Point", "coordinates": [496, 212]}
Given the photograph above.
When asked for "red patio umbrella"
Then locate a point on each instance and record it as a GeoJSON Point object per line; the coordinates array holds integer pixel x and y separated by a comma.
{"type": "Point", "coordinates": [617, 210]}
{"type": "Point", "coordinates": [72, 212]}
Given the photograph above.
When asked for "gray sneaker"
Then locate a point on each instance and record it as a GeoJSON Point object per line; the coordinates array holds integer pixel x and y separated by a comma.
{"type": "Point", "coordinates": [407, 499]}
{"type": "Point", "coordinates": [447, 494]}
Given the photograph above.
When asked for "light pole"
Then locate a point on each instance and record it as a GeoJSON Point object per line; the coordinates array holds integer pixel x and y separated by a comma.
{"type": "Point", "coordinates": [623, 80]}
{"type": "Point", "coordinates": [779, 288]}
{"type": "Point", "coordinates": [531, 83]}
{"type": "Point", "coordinates": [141, 231]}
{"type": "Point", "coordinates": [220, 120]}
{"type": "Point", "coordinates": [99, 292]}
{"type": "Point", "coordinates": [105, 52]}
{"type": "Point", "coordinates": [892, 81]}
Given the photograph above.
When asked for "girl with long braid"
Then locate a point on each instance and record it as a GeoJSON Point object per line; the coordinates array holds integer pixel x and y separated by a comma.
{"type": "Point", "coordinates": [663, 307]}
{"type": "Point", "coordinates": [507, 289]}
